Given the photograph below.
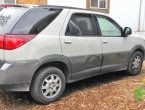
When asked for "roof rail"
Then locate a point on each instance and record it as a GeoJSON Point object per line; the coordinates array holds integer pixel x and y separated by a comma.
{"type": "Point", "coordinates": [27, 5]}
{"type": "Point", "coordinates": [61, 7]}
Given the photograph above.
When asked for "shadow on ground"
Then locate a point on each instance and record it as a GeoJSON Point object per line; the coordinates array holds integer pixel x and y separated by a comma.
{"type": "Point", "coordinates": [96, 81]}
{"type": "Point", "coordinates": [24, 98]}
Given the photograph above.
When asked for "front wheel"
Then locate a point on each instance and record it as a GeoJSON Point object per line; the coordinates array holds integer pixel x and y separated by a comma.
{"type": "Point", "coordinates": [135, 63]}
{"type": "Point", "coordinates": [48, 85]}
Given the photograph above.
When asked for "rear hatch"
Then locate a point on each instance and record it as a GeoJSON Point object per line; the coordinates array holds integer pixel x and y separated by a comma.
{"type": "Point", "coordinates": [19, 25]}
{"type": "Point", "coordinates": [8, 18]}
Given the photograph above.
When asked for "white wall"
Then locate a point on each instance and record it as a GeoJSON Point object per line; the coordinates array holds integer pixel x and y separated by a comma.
{"type": "Point", "coordinates": [142, 20]}
{"type": "Point", "coordinates": [1, 1]}
{"type": "Point", "coordinates": [72, 3]}
{"type": "Point", "coordinates": [126, 12]}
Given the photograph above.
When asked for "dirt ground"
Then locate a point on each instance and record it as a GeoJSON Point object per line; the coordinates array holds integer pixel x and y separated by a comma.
{"type": "Point", "coordinates": [113, 91]}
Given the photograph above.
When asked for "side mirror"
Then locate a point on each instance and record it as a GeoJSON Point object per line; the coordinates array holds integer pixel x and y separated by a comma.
{"type": "Point", "coordinates": [127, 31]}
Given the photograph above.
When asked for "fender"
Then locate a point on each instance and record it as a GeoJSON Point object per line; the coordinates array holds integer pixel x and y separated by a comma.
{"type": "Point", "coordinates": [56, 57]}
{"type": "Point", "coordinates": [133, 50]}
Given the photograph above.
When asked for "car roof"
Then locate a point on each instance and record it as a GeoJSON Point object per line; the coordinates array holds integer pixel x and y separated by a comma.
{"type": "Point", "coordinates": [61, 7]}
{"type": "Point", "coordinates": [67, 7]}
{"type": "Point", "coordinates": [53, 7]}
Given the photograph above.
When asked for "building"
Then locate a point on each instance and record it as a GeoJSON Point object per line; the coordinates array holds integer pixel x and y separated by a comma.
{"type": "Point", "coordinates": [129, 13]}
{"type": "Point", "coordinates": [25, 1]}
{"type": "Point", "coordinates": [126, 12]}
{"type": "Point", "coordinates": [8, 1]}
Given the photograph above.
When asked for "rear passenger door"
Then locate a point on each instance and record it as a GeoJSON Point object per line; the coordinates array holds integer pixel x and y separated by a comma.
{"type": "Point", "coordinates": [81, 45]}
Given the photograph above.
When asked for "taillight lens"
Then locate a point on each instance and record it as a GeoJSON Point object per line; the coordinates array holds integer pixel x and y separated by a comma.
{"type": "Point", "coordinates": [10, 42]}
{"type": "Point", "coordinates": [6, 5]}
{"type": "Point", "coordinates": [2, 41]}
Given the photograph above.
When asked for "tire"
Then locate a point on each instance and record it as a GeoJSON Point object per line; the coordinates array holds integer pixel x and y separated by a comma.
{"type": "Point", "coordinates": [135, 63]}
{"type": "Point", "coordinates": [48, 85]}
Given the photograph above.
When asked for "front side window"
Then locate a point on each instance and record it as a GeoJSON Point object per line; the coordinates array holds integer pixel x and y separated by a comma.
{"type": "Point", "coordinates": [80, 25]}
{"type": "Point", "coordinates": [108, 27]}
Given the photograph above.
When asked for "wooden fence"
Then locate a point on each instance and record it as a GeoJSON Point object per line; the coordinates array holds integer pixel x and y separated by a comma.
{"type": "Point", "coordinates": [40, 2]}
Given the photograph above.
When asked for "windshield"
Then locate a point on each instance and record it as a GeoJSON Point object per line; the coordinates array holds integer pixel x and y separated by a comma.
{"type": "Point", "coordinates": [9, 17]}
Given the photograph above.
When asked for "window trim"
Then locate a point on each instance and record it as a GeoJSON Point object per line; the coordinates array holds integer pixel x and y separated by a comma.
{"type": "Point", "coordinates": [98, 7]}
{"type": "Point", "coordinates": [112, 21]}
{"type": "Point", "coordinates": [96, 32]}
{"type": "Point", "coordinates": [103, 10]}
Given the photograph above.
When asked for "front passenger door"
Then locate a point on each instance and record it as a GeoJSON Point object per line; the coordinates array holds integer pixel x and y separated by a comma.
{"type": "Point", "coordinates": [115, 46]}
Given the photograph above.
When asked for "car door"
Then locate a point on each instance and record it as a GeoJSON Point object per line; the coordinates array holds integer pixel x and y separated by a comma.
{"type": "Point", "coordinates": [115, 47]}
{"type": "Point", "coordinates": [81, 45]}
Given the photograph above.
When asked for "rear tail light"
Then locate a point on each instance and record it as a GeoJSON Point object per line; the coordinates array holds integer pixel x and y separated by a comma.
{"type": "Point", "coordinates": [10, 42]}
{"type": "Point", "coordinates": [6, 5]}
{"type": "Point", "coordinates": [2, 41]}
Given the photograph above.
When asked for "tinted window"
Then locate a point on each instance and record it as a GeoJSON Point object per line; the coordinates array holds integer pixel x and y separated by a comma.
{"type": "Point", "coordinates": [108, 27]}
{"type": "Point", "coordinates": [80, 25]}
{"type": "Point", "coordinates": [34, 21]}
{"type": "Point", "coordinates": [9, 17]}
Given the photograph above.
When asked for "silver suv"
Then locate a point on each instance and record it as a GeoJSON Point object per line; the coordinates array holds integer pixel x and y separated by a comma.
{"type": "Point", "coordinates": [43, 48]}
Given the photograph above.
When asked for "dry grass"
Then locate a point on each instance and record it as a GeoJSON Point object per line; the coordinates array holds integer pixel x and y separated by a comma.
{"type": "Point", "coordinates": [114, 91]}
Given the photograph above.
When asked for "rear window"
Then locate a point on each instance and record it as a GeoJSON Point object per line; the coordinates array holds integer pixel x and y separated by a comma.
{"type": "Point", "coordinates": [9, 17]}
{"type": "Point", "coordinates": [34, 21]}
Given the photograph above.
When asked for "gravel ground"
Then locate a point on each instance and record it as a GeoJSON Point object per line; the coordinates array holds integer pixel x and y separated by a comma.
{"type": "Point", "coordinates": [113, 91]}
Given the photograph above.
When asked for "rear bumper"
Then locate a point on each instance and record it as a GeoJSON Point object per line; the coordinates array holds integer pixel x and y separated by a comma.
{"type": "Point", "coordinates": [17, 76]}
{"type": "Point", "coordinates": [15, 86]}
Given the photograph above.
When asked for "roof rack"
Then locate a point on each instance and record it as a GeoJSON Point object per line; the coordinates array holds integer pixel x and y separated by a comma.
{"type": "Point", "coordinates": [27, 6]}
{"type": "Point", "coordinates": [60, 7]}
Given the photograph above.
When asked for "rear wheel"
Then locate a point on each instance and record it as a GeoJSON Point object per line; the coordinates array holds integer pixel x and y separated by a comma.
{"type": "Point", "coordinates": [135, 63]}
{"type": "Point", "coordinates": [48, 85]}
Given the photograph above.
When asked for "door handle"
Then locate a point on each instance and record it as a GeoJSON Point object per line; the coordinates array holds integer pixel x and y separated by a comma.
{"type": "Point", "coordinates": [68, 42]}
{"type": "Point", "coordinates": [105, 42]}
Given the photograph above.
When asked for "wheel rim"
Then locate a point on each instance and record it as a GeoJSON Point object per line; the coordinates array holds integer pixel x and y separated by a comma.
{"type": "Point", "coordinates": [51, 86]}
{"type": "Point", "coordinates": [136, 64]}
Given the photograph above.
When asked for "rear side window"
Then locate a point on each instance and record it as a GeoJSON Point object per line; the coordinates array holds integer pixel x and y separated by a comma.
{"type": "Point", "coordinates": [80, 25]}
{"type": "Point", "coordinates": [9, 17]}
{"type": "Point", "coordinates": [34, 21]}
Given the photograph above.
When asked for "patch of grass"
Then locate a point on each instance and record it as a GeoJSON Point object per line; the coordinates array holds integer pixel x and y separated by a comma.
{"type": "Point", "coordinates": [140, 93]}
